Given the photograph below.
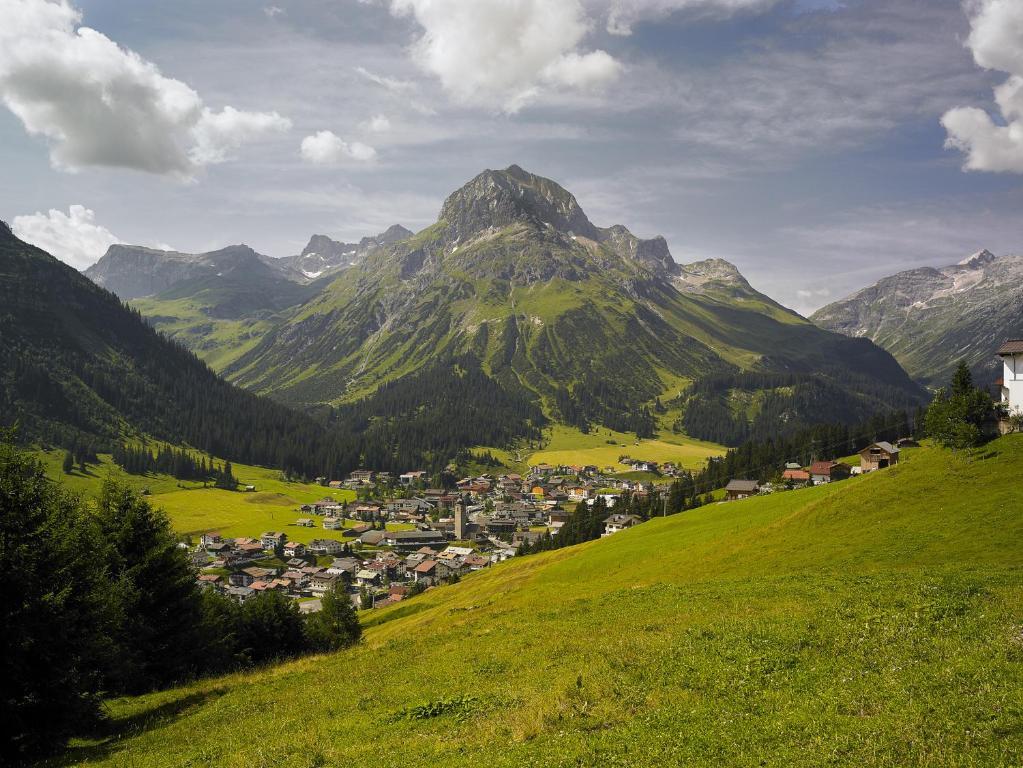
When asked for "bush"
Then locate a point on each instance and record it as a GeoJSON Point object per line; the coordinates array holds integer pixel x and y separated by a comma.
{"type": "Point", "coordinates": [336, 625]}
{"type": "Point", "coordinates": [958, 418]}
{"type": "Point", "coordinates": [271, 628]}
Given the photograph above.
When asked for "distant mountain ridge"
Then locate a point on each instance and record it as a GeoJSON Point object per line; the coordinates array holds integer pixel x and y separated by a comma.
{"type": "Point", "coordinates": [323, 256]}
{"type": "Point", "coordinates": [77, 366]}
{"type": "Point", "coordinates": [930, 318]}
{"type": "Point", "coordinates": [134, 271]}
{"type": "Point", "coordinates": [594, 323]}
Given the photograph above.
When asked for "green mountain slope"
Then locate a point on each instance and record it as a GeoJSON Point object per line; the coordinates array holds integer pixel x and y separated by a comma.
{"type": "Point", "coordinates": [77, 365]}
{"type": "Point", "coordinates": [594, 323]}
{"type": "Point", "coordinates": [222, 312]}
{"type": "Point", "coordinates": [870, 622]}
{"type": "Point", "coordinates": [930, 319]}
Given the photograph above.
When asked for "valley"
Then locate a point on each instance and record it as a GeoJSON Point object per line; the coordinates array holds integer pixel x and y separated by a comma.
{"type": "Point", "coordinates": [877, 617]}
{"type": "Point", "coordinates": [511, 383]}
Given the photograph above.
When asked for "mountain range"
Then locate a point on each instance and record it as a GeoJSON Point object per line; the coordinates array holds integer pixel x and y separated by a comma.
{"type": "Point", "coordinates": [77, 367]}
{"type": "Point", "coordinates": [592, 324]}
{"type": "Point", "coordinates": [931, 318]}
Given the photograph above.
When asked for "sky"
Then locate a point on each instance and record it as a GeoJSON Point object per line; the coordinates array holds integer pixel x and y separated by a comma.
{"type": "Point", "coordinates": [817, 144]}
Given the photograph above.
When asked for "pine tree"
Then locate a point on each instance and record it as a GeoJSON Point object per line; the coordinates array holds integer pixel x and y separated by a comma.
{"type": "Point", "coordinates": [55, 609]}
{"type": "Point", "coordinates": [69, 462]}
{"type": "Point", "coordinates": [271, 628]}
{"type": "Point", "coordinates": [957, 418]}
{"type": "Point", "coordinates": [157, 593]}
{"type": "Point", "coordinates": [335, 625]}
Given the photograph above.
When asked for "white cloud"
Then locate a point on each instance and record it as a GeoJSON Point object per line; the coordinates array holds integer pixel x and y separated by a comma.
{"type": "Point", "coordinates": [996, 39]}
{"type": "Point", "coordinates": [217, 134]}
{"type": "Point", "coordinates": [623, 14]}
{"type": "Point", "coordinates": [503, 53]}
{"type": "Point", "coordinates": [378, 124]}
{"type": "Point", "coordinates": [582, 72]}
{"type": "Point", "coordinates": [101, 105]}
{"type": "Point", "coordinates": [327, 148]}
{"type": "Point", "coordinates": [806, 293]}
{"type": "Point", "coordinates": [273, 10]}
{"type": "Point", "coordinates": [390, 83]}
{"type": "Point", "coordinates": [75, 238]}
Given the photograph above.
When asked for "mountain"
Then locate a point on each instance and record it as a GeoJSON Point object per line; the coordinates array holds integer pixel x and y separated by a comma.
{"type": "Point", "coordinates": [323, 256]}
{"type": "Point", "coordinates": [871, 622]}
{"type": "Point", "coordinates": [78, 367]}
{"type": "Point", "coordinates": [215, 303]}
{"type": "Point", "coordinates": [133, 271]}
{"type": "Point", "coordinates": [595, 324]}
{"type": "Point", "coordinates": [930, 319]}
{"type": "Point", "coordinates": [219, 303]}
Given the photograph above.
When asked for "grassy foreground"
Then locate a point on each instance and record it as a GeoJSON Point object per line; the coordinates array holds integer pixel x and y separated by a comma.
{"type": "Point", "coordinates": [878, 621]}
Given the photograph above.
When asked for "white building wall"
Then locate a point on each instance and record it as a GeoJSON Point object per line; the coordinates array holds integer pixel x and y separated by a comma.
{"type": "Point", "coordinates": [1012, 382]}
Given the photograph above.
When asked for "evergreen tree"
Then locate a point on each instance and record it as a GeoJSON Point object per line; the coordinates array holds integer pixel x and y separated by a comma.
{"type": "Point", "coordinates": [54, 610]}
{"type": "Point", "coordinates": [157, 596]}
{"type": "Point", "coordinates": [335, 625]}
{"type": "Point", "coordinates": [220, 628]}
{"type": "Point", "coordinates": [957, 418]}
{"type": "Point", "coordinates": [69, 462]}
{"type": "Point", "coordinates": [271, 628]}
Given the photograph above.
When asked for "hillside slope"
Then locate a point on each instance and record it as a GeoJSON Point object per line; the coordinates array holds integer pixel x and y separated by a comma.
{"type": "Point", "coordinates": [76, 364]}
{"type": "Point", "coordinates": [594, 323]}
{"type": "Point", "coordinates": [930, 319]}
{"type": "Point", "coordinates": [870, 622]}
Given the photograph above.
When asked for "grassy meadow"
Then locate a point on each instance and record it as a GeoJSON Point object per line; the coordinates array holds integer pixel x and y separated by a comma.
{"type": "Point", "coordinates": [875, 621]}
{"type": "Point", "coordinates": [569, 446]}
{"type": "Point", "coordinates": [195, 509]}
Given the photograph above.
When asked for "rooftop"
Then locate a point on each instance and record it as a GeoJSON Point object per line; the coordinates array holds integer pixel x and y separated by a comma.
{"type": "Point", "coordinates": [742, 485]}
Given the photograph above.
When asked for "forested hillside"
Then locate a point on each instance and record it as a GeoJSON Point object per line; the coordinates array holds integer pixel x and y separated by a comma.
{"type": "Point", "coordinates": [77, 367]}
{"type": "Point", "coordinates": [81, 370]}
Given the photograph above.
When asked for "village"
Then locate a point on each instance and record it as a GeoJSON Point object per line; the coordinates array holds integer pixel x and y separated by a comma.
{"type": "Point", "coordinates": [400, 537]}
{"type": "Point", "coordinates": [382, 550]}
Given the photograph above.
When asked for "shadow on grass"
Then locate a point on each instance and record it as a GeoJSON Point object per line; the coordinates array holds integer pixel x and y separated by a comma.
{"type": "Point", "coordinates": [105, 740]}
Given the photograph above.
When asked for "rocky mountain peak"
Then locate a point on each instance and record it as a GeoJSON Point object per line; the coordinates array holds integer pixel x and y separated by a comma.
{"type": "Point", "coordinates": [497, 199]}
{"type": "Point", "coordinates": [652, 253]}
{"type": "Point", "coordinates": [700, 275]}
{"type": "Point", "coordinates": [979, 259]}
{"type": "Point", "coordinates": [393, 234]}
{"type": "Point", "coordinates": [322, 245]}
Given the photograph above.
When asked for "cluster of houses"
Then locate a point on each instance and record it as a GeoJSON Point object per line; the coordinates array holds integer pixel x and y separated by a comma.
{"type": "Point", "coordinates": [426, 536]}
{"type": "Point", "coordinates": [244, 567]}
{"type": "Point", "coordinates": [380, 551]}
{"type": "Point", "coordinates": [878, 455]}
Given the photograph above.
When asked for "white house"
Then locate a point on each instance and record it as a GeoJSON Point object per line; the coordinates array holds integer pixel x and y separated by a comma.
{"type": "Point", "coordinates": [1011, 353]}
{"type": "Point", "coordinates": [617, 523]}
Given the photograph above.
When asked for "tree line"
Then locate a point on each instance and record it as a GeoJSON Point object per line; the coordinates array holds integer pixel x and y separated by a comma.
{"type": "Point", "coordinates": [176, 462]}
{"type": "Point", "coordinates": [784, 402]}
{"type": "Point", "coordinates": [960, 416]}
{"type": "Point", "coordinates": [100, 600]}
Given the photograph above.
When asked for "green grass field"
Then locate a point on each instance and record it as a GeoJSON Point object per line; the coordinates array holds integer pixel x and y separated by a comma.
{"type": "Point", "coordinates": [873, 622]}
{"type": "Point", "coordinates": [569, 446]}
{"type": "Point", "coordinates": [195, 510]}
